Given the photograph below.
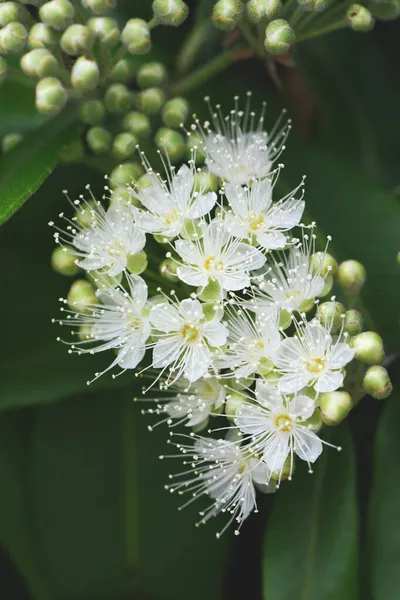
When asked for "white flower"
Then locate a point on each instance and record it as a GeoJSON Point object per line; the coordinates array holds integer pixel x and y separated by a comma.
{"type": "Point", "coordinates": [276, 428]}
{"type": "Point", "coordinates": [312, 358]}
{"type": "Point", "coordinates": [254, 214]}
{"type": "Point", "coordinates": [183, 339]}
{"type": "Point", "coordinates": [217, 257]}
{"type": "Point", "coordinates": [170, 204]}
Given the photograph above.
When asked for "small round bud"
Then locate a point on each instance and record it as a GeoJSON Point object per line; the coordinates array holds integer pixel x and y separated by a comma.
{"type": "Point", "coordinates": [330, 315]}
{"type": "Point", "coordinates": [151, 74]}
{"type": "Point", "coordinates": [125, 174]}
{"type": "Point", "coordinates": [92, 112]}
{"type": "Point", "coordinates": [285, 319]}
{"type": "Point", "coordinates": [334, 407]}
{"type": "Point", "coordinates": [63, 261]}
{"type": "Point", "coordinates": [315, 5]}
{"type": "Point", "coordinates": [124, 145]}
{"type": "Point", "coordinates": [3, 69]}
{"type": "Point", "coordinates": [72, 152]}
{"type": "Point", "coordinates": [123, 71]}
{"type": "Point", "coordinates": [81, 296]}
{"type": "Point", "coordinates": [279, 37]}
{"type": "Point", "coordinates": [137, 263]}
{"type": "Point", "coordinates": [328, 285]}
{"type": "Point", "coordinates": [105, 30]}
{"type": "Point", "coordinates": [150, 101]}
{"type": "Point", "coordinates": [205, 182]}
{"type": "Point", "coordinates": [57, 14]}
{"type": "Point", "coordinates": [195, 148]}
{"type": "Point", "coordinates": [368, 347]}
{"type": "Point", "coordinates": [192, 230]}
{"type": "Point", "coordinates": [136, 36]}
{"type": "Point", "coordinates": [360, 18]}
{"type": "Point", "coordinates": [263, 9]}
{"type": "Point", "coordinates": [286, 472]}
{"type": "Point", "coordinates": [306, 305]}
{"type": "Point", "coordinates": [351, 276]}
{"type": "Point", "coordinates": [385, 10]}
{"type": "Point", "coordinates": [9, 12]}
{"type": "Point", "coordinates": [168, 270]}
{"type": "Point", "coordinates": [102, 281]}
{"type": "Point", "coordinates": [170, 12]}
{"type": "Point", "coordinates": [13, 38]}
{"type": "Point", "coordinates": [323, 264]}
{"type": "Point", "coordinates": [137, 123]}
{"type": "Point", "coordinates": [353, 322]}
{"type": "Point", "coordinates": [212, 310]}
{"type": "Point", "coordinates": [118, 98]}
{"type": "Point", "coordinates": [42, 36]}
{"type": "Point", "coordinates": [212, 292]}
{"type": "Point", "coordinates": [51, 96]}
{"type": "Point", "coordinates": [39, 63]}
{"type": "Point", "coordinates": [85, 333]}
{"type": "Point", "coordinates": [99, 7]}
{"type": "Point", "coordinates": [87, 214]}
{"type": "Point", "coordinates": [315, 422]}
{"type": "Point", "coordinates": [171, 143]}
{"type": "Point", "coordinates": [175, 112]}
{"type": "Point", "coordinates": [76, 40]}
{"type": "Point", "coordinates": [99, 139]}
{"type": "Point", "coordinates": [123, 194]}
{"type": "Point", "coordinates": [10, 141]}
{"type": "Point", "coordinates": [226, 13]}
{"type": "Point", "coordinates": [377, 383]}
{"type": "Point", "coordinates": [233, 403]}
{"type": "Point", "coordinates": [85, 74]}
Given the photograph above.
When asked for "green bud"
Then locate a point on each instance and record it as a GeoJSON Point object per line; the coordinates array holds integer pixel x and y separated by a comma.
{"type": "Point", "coordinates": [124, 145]}
{"type": "Point", "coordinates": [175, 112]}
{"type": "Point", "coordinates": [331, 315]}
{"type": "Point", "coordinates": [118, 98]}
{"type": "Point", "coordinates": [86, 215]}
{"type": "Point", "coordinates": [360, 18]}
{"type": "Point", "coordinates": [368, 347]}
{"type": "Point", "coordinates": [123, 194]}
{"type": "Point", "coordinates": [10, 141]}
{"type": "Point", "coordinates": [51, 96]}
{"type": "Point", "coordinates": [265, 366]}
{"type": "Point", "coordinates": [125, 174]}
{"type": "Point", "coordinates": [123, 71]}
{"type": "Point", "coordinates": [76, 40]}
{"type": "Point", "coordinates": [226, 13]}
{"type": "Point", "coordinates": [234, 401]}
{"type": "Point", "coordinates": [3, 69]}
{"type": "Point", "coordinates": [212, 310]}
{"type": "Point", "coordinates": [137, 123]}
{"type": "Point", "coordinates": [103, 281]}
{"type": "Point", "coordinates": [146, 181]}
{"type": "Point", "coordinates": [279, 37]}
{"type": "Point", "coordinates": [137, 263]}
{"type": "Point", "coordinates": [81, 296]}
{"type": "Point", "coordinates": [212, 292]}
{"type": "Point", "coordinates": [351, 276]}
{"type": "Point", "coordinates": [285, 319]}
{"type": "Point", "coordinates": [205, 182]}
{"type": "Point", "coordinates": [85, 333]}
{"type": "Point", "coordinates": [168, 269]}
{"type": "Point", "coordinates": [315, 422]}
{"type": "Point", "coordinates": [386, 10]}
{"type": "Point", "coordinates": [13, 38]}
{"type": "Point", "coordinates": [32, 2]}
{"type": "Point", "coordinates": [9, 12]}
{"type": "Point", "coordinates": [307, 305]}
{"type": "Point", "coordinates": [85, 74]}
{"type": "Point", "coordinates": [72, 152]}
{"type": "Point", "coordinates": [42, 36]}
{"type": "Point", "coordinates": [377, 383]}
{"type": "Point", "coordinates": [99, 139]}
{"type": "Point", "coordinates": [286, 472]}
{"type": "Point", "coordinates": [57, 14]}
{"type": "Point", "coordinates": [136, 36]}
{"type": "Point", "coordinates": [105, 30]}
{"type": "Point", "coordinates": [328, 285]}
{"type": "Point", "coordinates": [195, 148]}
{"type": "Point", "coordinates": [170, 12]}
{"type": "Point", "coordinates": [171, 143]}
{"type": "Point", "coordinates": [323, 264]}
{"type": "Point", "coordinates": [39, 63]}
{"type": "Point", "coordinates": [151, 74]}
{"type": "Point", "coordinates": [92, 112]}
{"type": "Point", "coordinates": [263, 9]}
{"type": "Point", "coordinates": [315, 5]}
{"type": "Point", "coordinates": [353, 322]}
{"type": "Point", "coordinates": [99, 7]}
{"type": "Point", "coordinates": [150, 101]}
{"type": "Point", "coordinates": [63, 261]}
{"type": "Point", "coordinates": [334, 406]}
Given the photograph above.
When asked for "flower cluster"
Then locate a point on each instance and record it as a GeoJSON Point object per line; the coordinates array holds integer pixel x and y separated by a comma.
{"type": "Point", "coordinates": [241, 333]}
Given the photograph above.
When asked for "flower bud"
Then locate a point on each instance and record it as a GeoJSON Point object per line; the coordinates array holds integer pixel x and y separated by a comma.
{"type": "Point", "coordinates": [286, 472]}
{"type": "Point", "coordinates": [51, 96]}
{"type": "Point", "coordinates": [9, 12]}
{"type": "Point", "coordinates": [306, 305]}
{"type": "Point", "coordinates": [118, 98]}
{"type": "Point", "coordinates": [279, 37]}
{"type": "Point", "coordinates": [151, 74]}
{"type": "Point", "coordinates": [123, 194]}
{"type": "Point", "coordinates": [385, 10]}
{"type": "Point", "coordinates": [212, 292]}
{"type": "Point", "coordinates": [368, 347]}
{"type": "Point", "coordinates": [81, 296]}
{"type": "Point", "coordinates": [92, 112]}
{"type": "Point", "coordinates": [42, 36]}
{"type": "Point", "coordinates": [147, 181]}
{"type": "Point", "coordinates": [72, 152]}
{"type": "Point", "coordinates": [351, 276]}
{"type": "Point", "coordinates": [334, 407]}
{"type": "Point", "coordinates": [315, 5]}
{"type": "Point", "coordinates": [323, 264]}
{"type": "Point", "coordinates": [263, 9]}
{"type": "Point", "coordinates": [195, 148]}
{"type": "Point", "coordinates": [175, 112]}
{"type": "Point", "coordinates": [353, 322]}
{"type": "Point", "coordinates": [125, 174]}
{"type": "Point", "coordinates": [226, 13]}
{"type": "Point", "coordinates": [85, 74]}
{"type": "Point", "coordinates": [377, 383]}
{"type": "Point", "coordinates": [57, 14]}
{"type": "Point", "coordinates": [233, 403]}
{"type": "Point", "coordinates": [123, 71]}
{"type": "Point", "coordinates": [331, 315]}
{"type": "Point", "coordinates": [99, 139]}
{"type": "Point", "coordinates": [205, 182]}
{"type": "Point", "coordinates": [124, 145]}
{"type": "Point", "coordinates": [99, 7]}
{"type": "Point", "coordinates": [105, 30]}
{"type": "Point", "coordinates": [315, 422]}
{"type": "Point", "coordinates": [63, 261]}
{"type": "Point", "coordinates": [87, 214]}
{"type": "Point", "coordinates": [103, 281]}
{"type": "Point", "coordinates": [328, 285]}
{"type": "Point", "coordinates": [85, 333]}
{"type": "Point", "coordinates": [13, 38]}
{"type": "Point", "coordinates": [137, 263]}
{"type": "Point", "coordinates": [168, 269]}
{"type": "Point", "coordinates": [137, 123]}
{"type": "Point", "coordinates": [170, 12]}
{"type": "Point", "coordinates": [285, 319]}
{"type": "Point", "coordinates": [76, 40]}
{"type": "Point", "coordinates": [360, 18]}
{"type": "Point", "coordinates": [39, 63]}
{"type": "Point", "coordinates": [150, 101]}
{"type": "Point", "coordinates": [3, 69]}
{"type": "Point", "coordinates": [136, 36]}
{"type": "Point", "coordinates": [171, 143]}
{"type": "Point", "coordinates": [10, 141]}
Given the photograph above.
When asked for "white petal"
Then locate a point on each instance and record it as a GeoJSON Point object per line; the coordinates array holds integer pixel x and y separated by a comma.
{"type": "Point", "coordinates": [302, 407]}
{"type": "Point", "coordinates": [234, 281]}
{"type": "Point", "coordinates": [271, 240]}
{"type": "Point", "coordinates": [307, 445]}
{"type": "Point", "coordinates": [288, 354]}
{"type": "Point", "coordinates": [166, 351]}
{"type": "Point", "coordinates": [329, 382]}
{"type": "Point", "coordinates": [197, 362]}
{"type": "Point", "coordinates": [340, 355]}
{"type": "Point", "coordinates": [293, 382]}
{"type": "Point", "coordinates": [131, 355]}
{"type": "Point", "coordinates": [277, 455]}
{"type": "Point", "coordinates": [202, 205]}
{"type": "Point", "coordinates": [286, 215]}
{"type": "Point", "coordinates": [268, 395]}
{"type": "Point", "coordinates": [192, 276]}
{"type": "Point", "coordinates": [191, 310]}
{"type": "Point", "coordinates": [188, 251]}
{"type": "Point", "coordinates": [259, 471]}
{"type": "Point", "coordinates": [138, 289]}
{"type": "Point", "coordinates": [245, 257]}
{"type": "Point", "coordinates": [215, 332]}
{"type": "Point", "coordinates": [165, 317]}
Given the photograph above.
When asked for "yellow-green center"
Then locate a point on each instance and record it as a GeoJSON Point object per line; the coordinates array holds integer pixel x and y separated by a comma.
{"type": "Point", "coordinates": [283, 422]}
{"type": "Point", "coordinates": [256, 222]}
{"type": "Point", "coordinates": [213, 264]}
{"type": "Point", "coordinates": [134, 322]}
{"type": "Point", "coordinates": [190, 333]}
{"type": "Point", "coordinates": [315, 365]}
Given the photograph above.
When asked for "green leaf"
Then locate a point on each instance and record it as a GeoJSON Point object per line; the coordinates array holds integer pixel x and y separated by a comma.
{"type": "Point", "coordinates": [23, 170]}
{"type": "Point", "coordinates": [18, 113]}
{"type": "Point", "coordinates": [310, 548]}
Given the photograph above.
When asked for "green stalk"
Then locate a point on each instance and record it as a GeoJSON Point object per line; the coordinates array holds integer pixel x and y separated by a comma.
{"type": "Point", "coordinates": [190, 47]}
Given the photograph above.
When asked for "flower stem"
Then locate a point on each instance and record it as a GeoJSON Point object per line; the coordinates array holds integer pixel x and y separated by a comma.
{"type": "Point", "coordinates": [190, 47]}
